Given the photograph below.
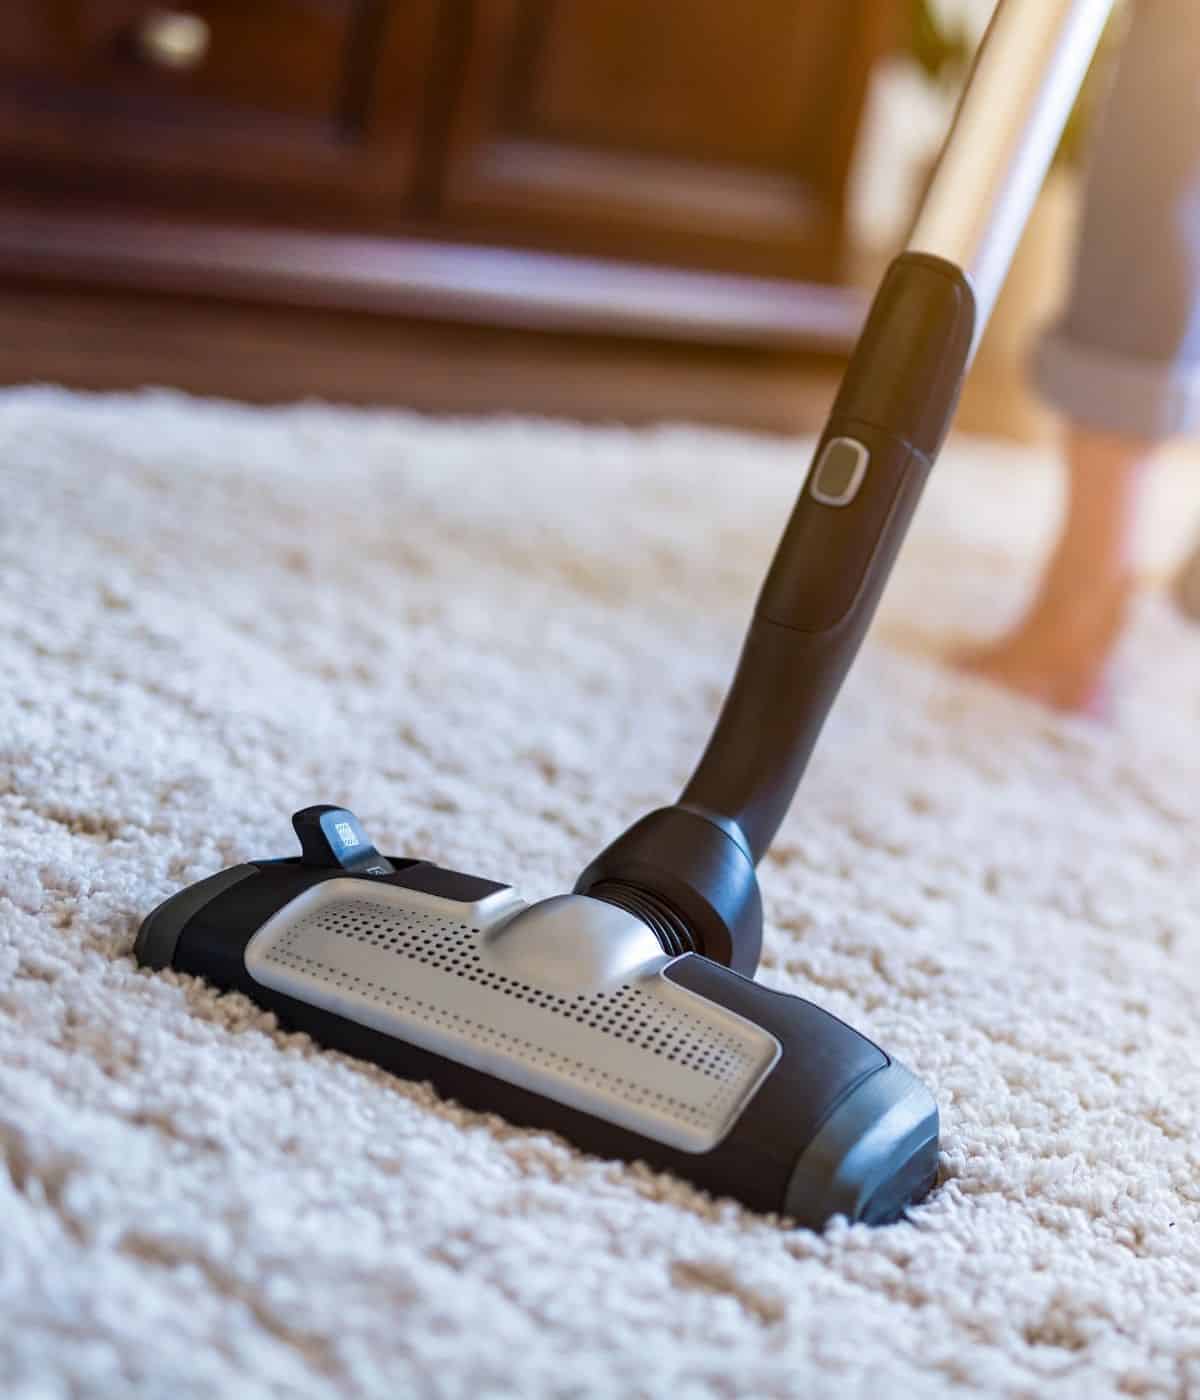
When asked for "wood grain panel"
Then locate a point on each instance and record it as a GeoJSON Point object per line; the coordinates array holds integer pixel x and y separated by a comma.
{"type": "Point", "coordinates": [272, 56]}
{"type": "Point", "coordinates": [290, 113]}
{"type": "Point", "coordinates": [693, 132]}
{"type": "Point", "coordinates": [692, 80]}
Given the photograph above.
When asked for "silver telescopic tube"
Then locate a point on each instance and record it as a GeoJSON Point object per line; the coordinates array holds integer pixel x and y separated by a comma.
{"type": "Point", "coordinates": [1025, 80]}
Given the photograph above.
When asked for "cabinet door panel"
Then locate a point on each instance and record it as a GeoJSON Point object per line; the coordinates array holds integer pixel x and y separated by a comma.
{"type": "Point", "coordinates": [282, 56]}
{"type": "Point", "coordinates": [701, 80]}
{"type": "Point", "coordinates": [690, 131]}
{"type": "Point", "coordinates": [217, 102]}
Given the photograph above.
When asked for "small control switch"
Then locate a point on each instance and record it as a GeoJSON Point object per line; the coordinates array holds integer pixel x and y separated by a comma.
{"type": "Point", "coordinates": [840, 472]}
{"type": "Point", "coordinates": [333, 837]}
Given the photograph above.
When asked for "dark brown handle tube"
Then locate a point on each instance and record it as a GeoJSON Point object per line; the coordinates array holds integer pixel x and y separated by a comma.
{"type": "Point", "coordinates": [895, 405]}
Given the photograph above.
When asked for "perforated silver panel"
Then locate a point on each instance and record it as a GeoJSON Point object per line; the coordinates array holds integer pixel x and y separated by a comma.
{"type": "Point", "coordinates": [629, 1047]}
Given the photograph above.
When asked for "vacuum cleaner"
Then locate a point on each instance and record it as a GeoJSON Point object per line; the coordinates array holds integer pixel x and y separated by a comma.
{"type": "Point", "coordinates": [624, 1015]}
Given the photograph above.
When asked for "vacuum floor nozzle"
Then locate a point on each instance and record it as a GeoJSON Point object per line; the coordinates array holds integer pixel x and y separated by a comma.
{"type": "Point", "coordinates": [569, 1015]}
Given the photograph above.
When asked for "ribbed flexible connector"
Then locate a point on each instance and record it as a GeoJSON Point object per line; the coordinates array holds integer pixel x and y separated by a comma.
{"type": "Point", "coordinates": [658, 916]}
{"type": "Point", "coordinates": [688, 877]}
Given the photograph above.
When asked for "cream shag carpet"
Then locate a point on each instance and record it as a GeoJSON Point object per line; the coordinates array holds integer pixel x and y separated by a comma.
{"type": "Point", "coordinates": [499, 642]}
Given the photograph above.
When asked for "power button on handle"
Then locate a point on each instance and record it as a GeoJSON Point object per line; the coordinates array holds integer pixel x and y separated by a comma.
{"type": "Point", "coordinates": [840, 471]}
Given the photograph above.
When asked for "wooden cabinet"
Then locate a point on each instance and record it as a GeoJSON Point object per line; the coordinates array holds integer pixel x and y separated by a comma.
{"type": "Point", "coordinates": [286, 109]}
{"type": "Point", "coordinates": [688, 132]}
{"type": "Point", "coordinates": [675, 169]}
{"type": "Point", "coordinates": [272, 57]}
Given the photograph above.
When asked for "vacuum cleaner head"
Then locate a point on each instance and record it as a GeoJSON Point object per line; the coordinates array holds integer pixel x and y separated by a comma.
{"type": "Point", "coordinates": [619, 1014]}
{"type": "Point", "coordinates": [567, 1015]}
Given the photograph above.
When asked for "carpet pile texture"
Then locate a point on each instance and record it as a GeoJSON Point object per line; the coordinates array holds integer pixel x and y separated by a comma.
{"type": "Point", "coordinates": [499, 642]}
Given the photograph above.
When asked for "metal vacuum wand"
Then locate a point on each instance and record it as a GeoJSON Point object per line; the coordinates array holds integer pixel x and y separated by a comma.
{"type": "Point", "coordinates": [1022, 87]}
